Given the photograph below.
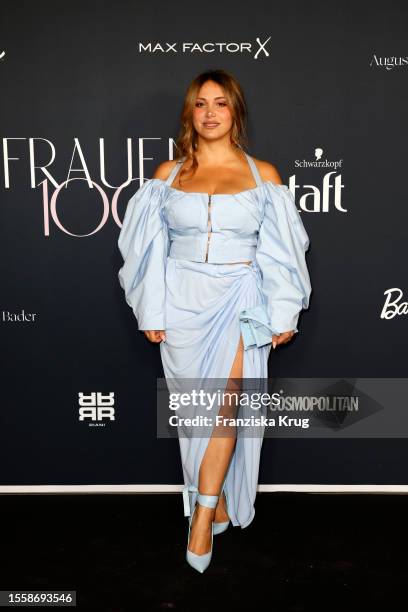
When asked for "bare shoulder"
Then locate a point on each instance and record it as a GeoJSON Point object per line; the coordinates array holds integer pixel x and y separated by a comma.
{"type": "Point", "coordinates": [268, 171]}
{"type": "Point", "coordinates": [163, 170]}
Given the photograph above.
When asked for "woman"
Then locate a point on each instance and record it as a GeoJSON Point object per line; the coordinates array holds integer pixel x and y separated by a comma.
{"type": "Point", "coordinates": [214, 270]}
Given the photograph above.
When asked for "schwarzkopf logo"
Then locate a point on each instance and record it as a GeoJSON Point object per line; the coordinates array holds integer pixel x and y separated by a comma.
{"type": "Point", "coordinates": [207, 47]}
{"type": "Point", "coordinates": [319, 161]}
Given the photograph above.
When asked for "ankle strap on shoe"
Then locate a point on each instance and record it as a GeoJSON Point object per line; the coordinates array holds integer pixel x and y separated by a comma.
{"type": "Point", "coordinates": [210, 501]}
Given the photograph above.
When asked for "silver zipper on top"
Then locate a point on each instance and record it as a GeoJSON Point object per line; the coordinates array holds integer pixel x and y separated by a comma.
{"type": "Point", "coordinates": [209, 227]}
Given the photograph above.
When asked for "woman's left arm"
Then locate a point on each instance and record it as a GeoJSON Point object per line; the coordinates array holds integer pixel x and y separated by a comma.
{"type": "Point", "coordinates": [281, 250]}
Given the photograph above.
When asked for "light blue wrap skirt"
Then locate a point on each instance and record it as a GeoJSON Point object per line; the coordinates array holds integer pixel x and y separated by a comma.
{"type": "Point", "coordinates": [203, 306]}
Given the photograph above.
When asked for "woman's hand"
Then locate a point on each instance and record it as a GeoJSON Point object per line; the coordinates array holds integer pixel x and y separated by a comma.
{"type": "Point", "coordinates": [283, 338]}
{"type": "Point", "coordinates": [155, 335]}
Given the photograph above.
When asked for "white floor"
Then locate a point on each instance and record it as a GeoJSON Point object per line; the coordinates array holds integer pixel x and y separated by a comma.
{"type": "Point", "coordinates": [262, 488]}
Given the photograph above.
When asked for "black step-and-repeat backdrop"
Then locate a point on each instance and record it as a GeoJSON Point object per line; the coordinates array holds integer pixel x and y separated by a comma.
{"type": "Point", "coordinates": [91, 94]}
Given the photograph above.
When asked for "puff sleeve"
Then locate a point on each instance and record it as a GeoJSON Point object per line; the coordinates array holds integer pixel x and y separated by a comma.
{"type": "Point", "coordinates": [281, 249]}
{"type": "Point", "coordinates": [143, 243]}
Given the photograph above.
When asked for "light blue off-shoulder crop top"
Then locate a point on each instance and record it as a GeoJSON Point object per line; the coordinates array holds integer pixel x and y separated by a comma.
{"type": "Point", "coordinates": [261, 224]}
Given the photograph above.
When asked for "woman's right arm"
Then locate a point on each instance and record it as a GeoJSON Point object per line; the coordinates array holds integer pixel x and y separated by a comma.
{"type": "Point", "coordinates": [143, 243]}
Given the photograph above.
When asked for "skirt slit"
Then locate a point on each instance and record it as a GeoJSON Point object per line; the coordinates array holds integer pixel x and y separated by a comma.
{"type": "Point", "coordinates": [228, 411]}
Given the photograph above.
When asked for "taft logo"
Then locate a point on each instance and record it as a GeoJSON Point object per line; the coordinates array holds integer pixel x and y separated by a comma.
{"type": "Point", "coordinates": [389, 63]}
{"type": "Point", "coordinates": [329, 195]}
{"type": "Point", "coordinates": [2, 55]}
{"type": "Point", "coordinates": [96, 407]}
{"type": "Point", "coordinates": [393, 304]}
{"type": "Point", "coordinates": [316, 199]}
{"type": "Point", "coordinates": [252, 48]}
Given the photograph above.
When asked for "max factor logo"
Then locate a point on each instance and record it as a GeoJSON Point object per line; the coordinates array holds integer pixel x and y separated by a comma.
{"type": "Point", "coordinates": [96, 407]}
{"type": "Point", "coordinates": [207, 47]}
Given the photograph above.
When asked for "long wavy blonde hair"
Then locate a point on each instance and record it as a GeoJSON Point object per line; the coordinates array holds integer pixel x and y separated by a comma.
{"type": "Point", "coordinates": [186, 143]}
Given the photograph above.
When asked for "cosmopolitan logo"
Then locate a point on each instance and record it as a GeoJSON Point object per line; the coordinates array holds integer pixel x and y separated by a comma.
{"type": "Point", "coordinates": [254, 49]}
{"type": "Point", "coordinates": [389, 63]}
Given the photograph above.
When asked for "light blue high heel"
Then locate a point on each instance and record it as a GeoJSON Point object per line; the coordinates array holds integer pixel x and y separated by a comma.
{"type": "Point", "coordinates": [200, 562]}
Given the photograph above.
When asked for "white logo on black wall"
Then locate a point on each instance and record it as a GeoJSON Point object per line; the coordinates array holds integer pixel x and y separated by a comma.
{"type": "Point", "coordinates": [319, 161]}
{"type": "Point", "coordinates": [255, 49]}
{"type": "Point", "coordinates": [326, 196]}
{"type": "Point", "coordinates": [389, 63]}
{"type": "Point", "coordinates": [394, 304]}
{"type": "Point", "coordinates": [2, 55]}
{"type": "Point", "coordinates": [96, 408]}
{"type": "Point", "coordinates": [7, 316]}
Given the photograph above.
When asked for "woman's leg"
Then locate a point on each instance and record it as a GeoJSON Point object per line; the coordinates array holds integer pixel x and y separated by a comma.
{"type": "Point", "coordinates": [215, 464]}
